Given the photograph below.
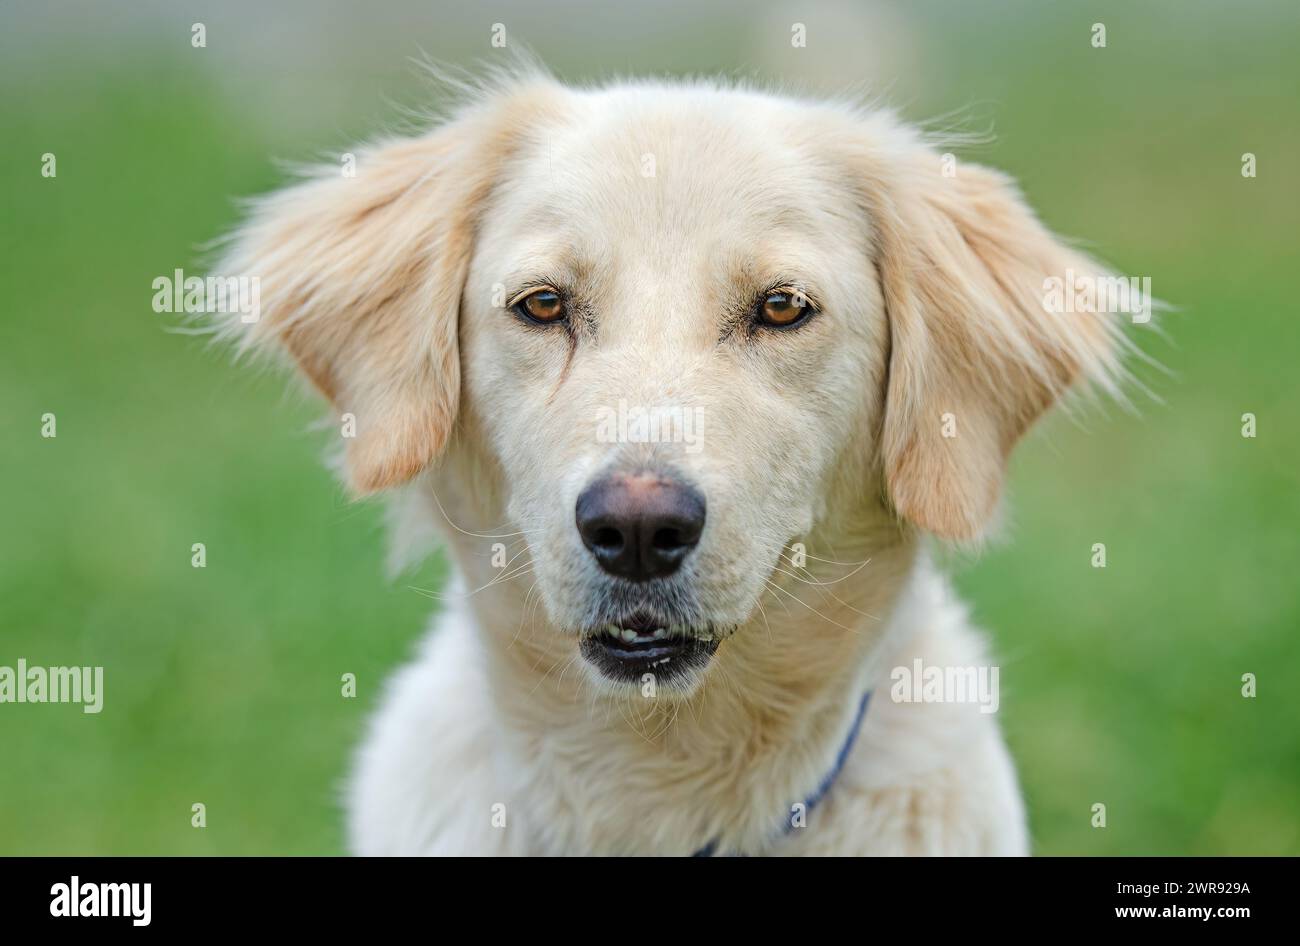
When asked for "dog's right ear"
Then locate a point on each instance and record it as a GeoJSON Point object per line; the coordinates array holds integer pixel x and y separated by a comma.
{"type": "Point", "coordinates": [360, 279]}
{"type": "Point", "coordinates": [975, 355]}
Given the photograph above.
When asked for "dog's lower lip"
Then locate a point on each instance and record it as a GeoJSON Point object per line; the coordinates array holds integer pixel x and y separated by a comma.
{"type": "Point", "coordinates": [624, 643]}
{"type": "Point", "coordinates": [664, 653]}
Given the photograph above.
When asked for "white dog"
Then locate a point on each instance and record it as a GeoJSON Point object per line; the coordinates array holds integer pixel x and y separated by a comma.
{"type": "Point", "coordinates": [685, 373]}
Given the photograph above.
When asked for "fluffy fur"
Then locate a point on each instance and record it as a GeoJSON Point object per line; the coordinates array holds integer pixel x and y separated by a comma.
{"type": "Point", "coordinates": [391, 292]}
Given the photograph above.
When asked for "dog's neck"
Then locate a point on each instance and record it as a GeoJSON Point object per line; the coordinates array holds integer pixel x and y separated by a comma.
{"type": "Point", "coordinates": [757, 736]}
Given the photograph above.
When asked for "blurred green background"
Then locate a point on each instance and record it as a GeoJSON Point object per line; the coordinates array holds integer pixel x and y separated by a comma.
{"type": "Point", "coordinates": [1121, 685]}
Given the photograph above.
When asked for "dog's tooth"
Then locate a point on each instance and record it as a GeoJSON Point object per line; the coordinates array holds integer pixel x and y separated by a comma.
{"type": "Point", "coordinates": [660, 633]}
{"type": "Point", "coordinates": [613, 629]}
{"type": "Point", "coordinates": [629, 635]}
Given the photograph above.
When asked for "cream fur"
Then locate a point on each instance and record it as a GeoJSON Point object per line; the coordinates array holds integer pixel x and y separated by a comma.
{"type": "Point", "coordinates": [388, 291]}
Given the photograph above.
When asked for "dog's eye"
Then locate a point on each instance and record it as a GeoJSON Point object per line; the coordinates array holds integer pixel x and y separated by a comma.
{"type": "Point", "coordinates": [784, 308]}
{"type": "Point", "coordinates": [542, 305]}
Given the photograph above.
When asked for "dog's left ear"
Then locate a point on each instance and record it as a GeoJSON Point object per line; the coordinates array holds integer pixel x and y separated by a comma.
{"type": "Point", "coordinates": [361, 270]}
{"type": "Point", "coordinates": [976, 356]}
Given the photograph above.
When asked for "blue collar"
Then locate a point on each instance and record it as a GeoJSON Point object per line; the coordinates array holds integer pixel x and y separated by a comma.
{"type": "Point", "coordinates": [823, 789]}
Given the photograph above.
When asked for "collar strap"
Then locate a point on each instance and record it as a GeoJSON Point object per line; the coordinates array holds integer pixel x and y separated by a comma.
{"type": "Point", "coordinates": [823, 788]}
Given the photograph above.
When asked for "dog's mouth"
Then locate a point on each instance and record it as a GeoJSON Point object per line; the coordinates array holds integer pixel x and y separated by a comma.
{"type": "Point", "coordinates": [642, 650]}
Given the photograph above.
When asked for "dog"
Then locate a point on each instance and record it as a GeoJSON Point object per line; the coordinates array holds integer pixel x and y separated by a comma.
{"type": "Point", "coordinates": [691, 377]}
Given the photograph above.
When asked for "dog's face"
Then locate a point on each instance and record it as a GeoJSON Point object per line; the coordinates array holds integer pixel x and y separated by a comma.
{"type": "Point", "coordinates": [678, 321]}
{"type": "Point", "coordinates": [670, 331]}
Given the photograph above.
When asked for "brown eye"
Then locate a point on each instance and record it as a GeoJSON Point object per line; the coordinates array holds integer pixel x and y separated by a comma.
{"type": "Point", "coordinates": [784, 308]}
{"type": "Point", "coordinates": [544, 305]}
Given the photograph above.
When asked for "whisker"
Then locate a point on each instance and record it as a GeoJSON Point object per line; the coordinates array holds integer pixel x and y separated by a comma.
{"type": "Point", "coordinates": [478, 535]}
{"type": "Point", "coordinates": [824, 593]}
{"type": "Point", "coordinates": [830, 561]}
{"type": "Point", "coordinates": [861, 566]}
{"type": "Point", "coordinates": [448, 596]}
{"type": "Point", "coordinates": [799, 600]}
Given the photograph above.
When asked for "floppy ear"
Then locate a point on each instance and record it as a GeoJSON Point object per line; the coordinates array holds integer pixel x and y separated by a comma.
{"type": "Point", "coordinates": [361, 278]}
{"type": "Point", "coordinates": [976, 356]}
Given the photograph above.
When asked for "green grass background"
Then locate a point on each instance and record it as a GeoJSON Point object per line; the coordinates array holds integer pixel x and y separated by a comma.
{"type": "Point", "coordinates": [1120, 686]}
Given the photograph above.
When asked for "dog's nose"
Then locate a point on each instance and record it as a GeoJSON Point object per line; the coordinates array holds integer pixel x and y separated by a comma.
{"type": "Point", "coordinates": [640, 526]}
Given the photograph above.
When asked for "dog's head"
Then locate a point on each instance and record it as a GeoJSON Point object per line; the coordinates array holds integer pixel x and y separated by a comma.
{"type": "Point", "coordinates": [685, 326]}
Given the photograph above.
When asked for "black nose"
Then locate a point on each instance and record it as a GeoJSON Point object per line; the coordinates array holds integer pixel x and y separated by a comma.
{"type": "Point", "coordinates": [640, 526]}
